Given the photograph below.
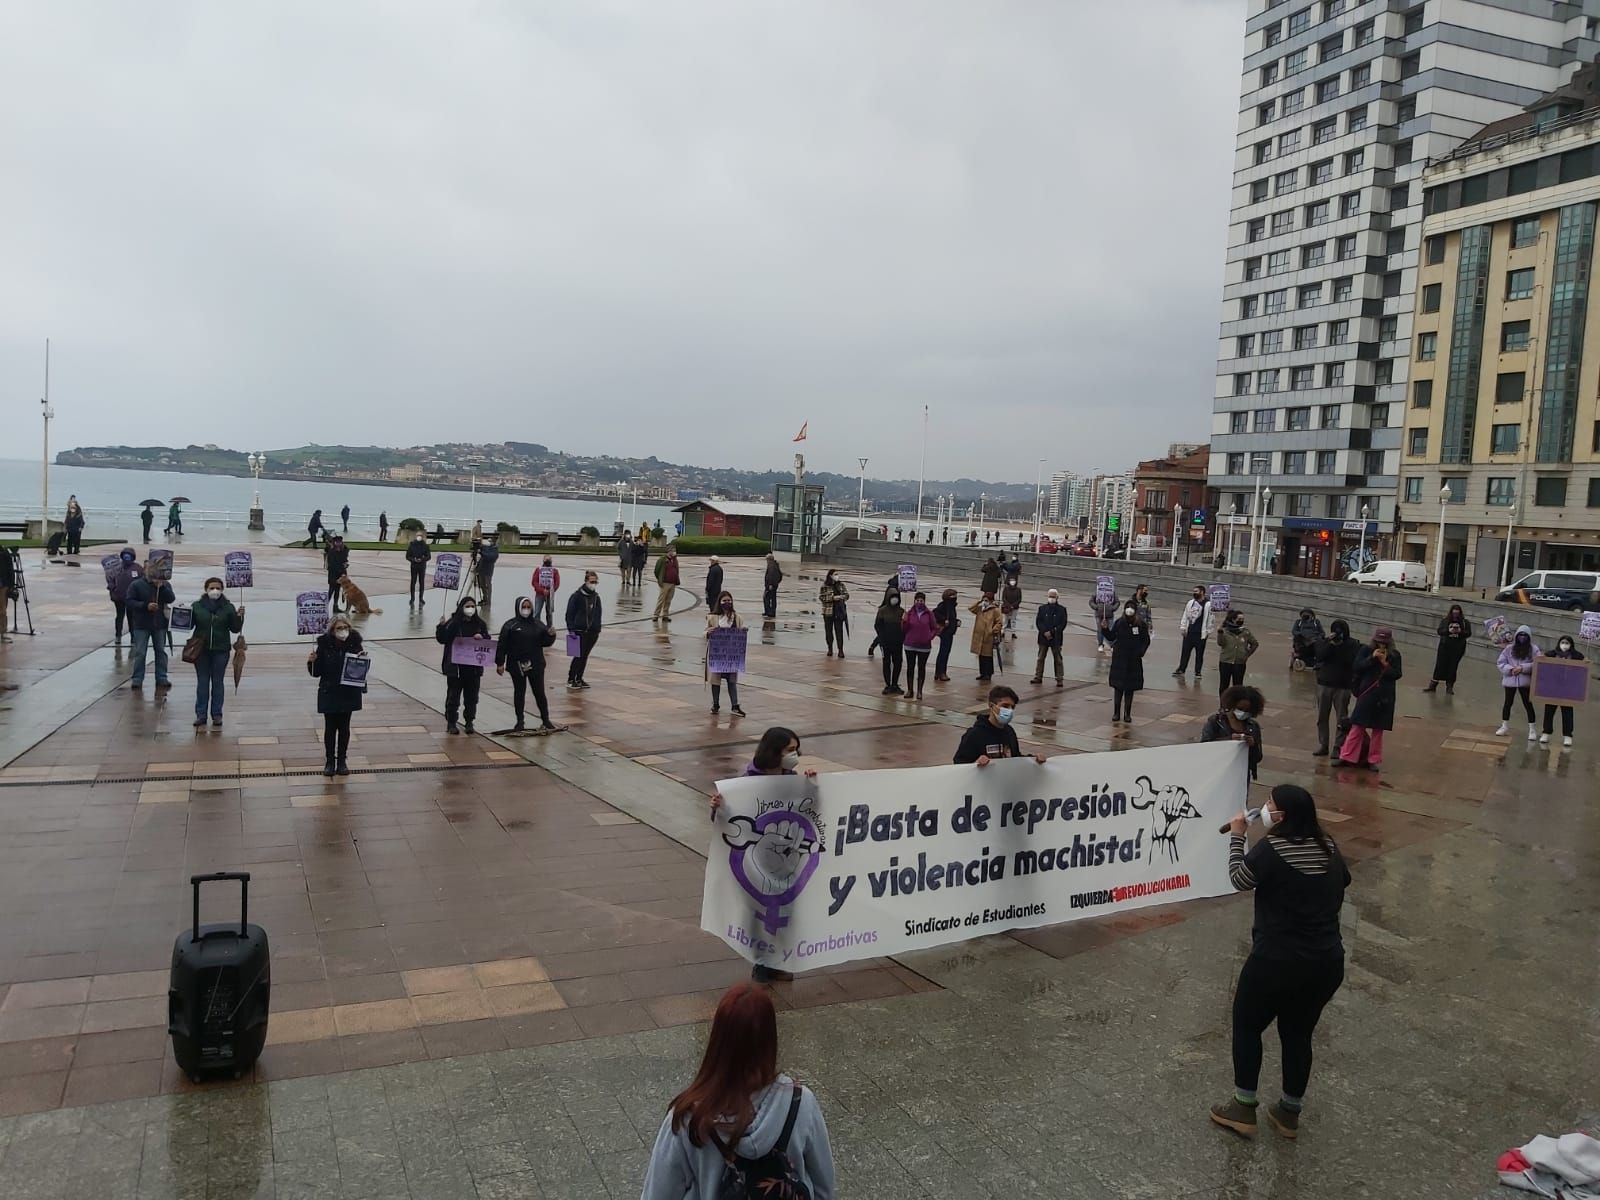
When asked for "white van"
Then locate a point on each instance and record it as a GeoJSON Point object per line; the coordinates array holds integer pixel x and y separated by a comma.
{"type": "Point", "coordinates": [1391, 572]}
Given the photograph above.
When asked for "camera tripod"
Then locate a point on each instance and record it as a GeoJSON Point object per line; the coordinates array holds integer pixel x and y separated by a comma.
{"type": "Point", "coordinates": [21, 593]}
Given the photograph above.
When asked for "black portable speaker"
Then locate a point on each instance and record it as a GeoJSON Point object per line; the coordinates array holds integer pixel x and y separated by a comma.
{"type": "Point", "coordinates": [220, 990]}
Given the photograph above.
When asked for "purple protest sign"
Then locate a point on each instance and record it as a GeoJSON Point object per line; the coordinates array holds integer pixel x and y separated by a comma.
{"type": "Point", "coordinates": [311, 613]}
{"type": "Point", "coordinates": [725, 651]}
{"type": "Point", "coordinates": [1560, 680]}
{"type": "Point", "coordinates": [574, 645]}
{"type": "Point", "coordinates": [1589, 627]}
{"type": "Point", "coordinates": [1105, 589]}
{"type": "Point", "coordinates": [111, 564]}
{"type": "Point", "coordinates": [472, 652]}
{"type": "Point", "coordinates": [908, 577]}
{"type": "Point", "coordinates": [238, 569]}
{"type": "Point", "coordinates": [447, 571]}
{"type": "Point", "coordinates": [1220, 595]}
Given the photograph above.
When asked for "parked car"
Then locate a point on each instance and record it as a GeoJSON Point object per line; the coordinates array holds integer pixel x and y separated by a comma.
{"type": "Point", "coordinates": [1392, 572]}
{"type": "Point", "coordinates": [1082, 550]}
{"type": "Point", "coordinates": [1574, 591]}
{"type": "Point", "coordinates": [1047, 545]}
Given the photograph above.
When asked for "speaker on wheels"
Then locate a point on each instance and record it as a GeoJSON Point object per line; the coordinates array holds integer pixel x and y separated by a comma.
{"type": "Point", "coordinates": [220, 989]}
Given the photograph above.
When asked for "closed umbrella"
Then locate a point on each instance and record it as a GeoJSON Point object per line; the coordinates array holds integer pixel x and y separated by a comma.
{"type": "Point", "coordinates": [238, 660]}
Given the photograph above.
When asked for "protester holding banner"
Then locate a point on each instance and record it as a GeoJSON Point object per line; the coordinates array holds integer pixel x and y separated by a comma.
{"type": "Point", "coordinates": [546, 583]}
{"type": "Point", "coordinates": [1516, 678]}
{"type": "Point", "coordinates": [741, 1115]}
{"type": "Point", "coordinates": [920, 627]}
{"type": "Point", "coordinates": [1568, 649]}
{"type": "Point", "coordinates": [1378, 669]}
{"type": "Point", "coordinates": [889, 626]}
{"type": "Point", "coordinates": [987, 626]}
{"type": "Point", "coordinates": [1130, 639]}
{"type": "Point", "coordinates": [1104, 604]}
{"type": "Point", "coordinates": [1194, 626]}
{"type": "Point", "coordinates": [831, 597]}
{"type": "Point", "coordinates": [769, 587]}
{"type": "Point", "coordinates": [461, 680]}
{"type": "Point", "coordinates": [1454, 633]}
{"type": "Point", "coordinates": [118, 579]}
{"type": "Point", "coordinates": [948, 616]}
{"type": "Point", "coordinates": [147, 622]}
{"type": "Point", "coordinates": [1235, 645]}
{"type": "Point", "coordinates": [991, 735]}
{"type": "Point", "coordinates": [1296, 961]}
{"type": "Point", "coordinates": [522, 643]}
{"type": "Point", "coordinates": [1238, 720]}
{"type": "Point", "coordinates": [336, 700]}
{"type": "Point", "coordinates": [216, 620]}
{"type": "Point", "coordinates": [583, 619]}
{"type": "Point", "coordinates": [723, 618]}
{"type": "Point", "coordinates": [418, 554]}
{"type": "Point", "coordinates": [1051, 622]}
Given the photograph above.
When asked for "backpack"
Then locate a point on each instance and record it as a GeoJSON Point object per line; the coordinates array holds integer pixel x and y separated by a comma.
{"type": "Point", "coordinates": [770, 1177]}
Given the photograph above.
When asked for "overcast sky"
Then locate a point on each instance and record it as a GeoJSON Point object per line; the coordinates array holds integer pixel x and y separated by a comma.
{"type": "Point", "coordinates": [671, 227]}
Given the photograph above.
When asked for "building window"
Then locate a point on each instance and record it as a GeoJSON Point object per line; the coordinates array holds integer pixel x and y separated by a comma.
{"type": "Point", "coordinates": [1238, 422]}
{"type": "Point", "coordinates": [1269, 74]}
{"type": "Point", "coordinates": [1413, 489]}
{"type": "Point", "coordinates": [1303, 379]}
{"type": "Point", "coordinates": [1379, 417]}
{"type": "Point", "coordinates": [1317, 214]}
{"type": "Point", "coordinates": [1407, 111]}
{"type": "Point", "coordinates": [1272, 341]}
{"type": "Point", "coordinates": [1504, 439]}
{"type": "Point", "coordinates": [1260, 463]}
{"type": "Point", "coordinates": [1333, 375]}
{"type": "Point", "coordinates": [1337, 506]}
{"type": "Point", "coordinates": [1276, 302]}
{"type": "Point", "coordinates": [1309, 294]}
{"type": "Point", "coordinates": [1294, 462]}
{"type": "Point", "coordinates": [1519, 284]}
{"type": "Point", "coordinates": [1305, 338]}
{"type": "Point", "coordinates": [1249, 306]}
{"type": "Point", "coordinates": [1274, 34]}
{"type": "Point", "coordinates": [1296, 62]}
{"type": "Point", "coordinates": [1326, 461]}
{"type": "Point", "coordinates": [1288, 142]}
{"type": "Point", "coordinates": [1594, 492]}
{"type": "Point", "coordinates": [1353, 161]}
{"type": "Point", "coordinates": [1338, 332]}
{"type": "Point", "coordinates": [1294, 101]}
{"type": "Point", "coordinates": [1360, 76]}
{"type": "Point", "coordinates": [1434, 247]}
{"type": "Point", "coordinates": [1330, 416]}
{"type": "Point", "coordinates": [1501, 493]}
{"type": "Point", "coordinates": [1427, 346]}
{"type": "Point", "coordinates": [1372, 462]}
{"type": "Point", "coordinates": [1252, 269]}
{"type": "Point", "coordinates": [1277, 262]}
{"type": "Point", "coordinates": [1410, 65]}
{"type": "Point", "coordinates": [1399, 197]}
{"type": "Point", "coordinates": [1258, 191]}
{"type": "Point", "coordinates": [1322, 171]}
{"type": "Point", "coordinates": [1388, 328]}
{"type": "Point", "coordinates": [1324, 131]}
{"type": "Point", "coordinates": [1244, 345]}
{"type": "Point", "coordinates": [1343, 288]}
{"type": "Point", "coordinates": [1345, 248]}
{"type": "Point", "coordinates": [1417, 442]}
{"type": "Point", "coordinates": [1327, 89]}
{"type": "Point", "coordinates": [1330, 48]}
{"type": "Point", "coordinates": [1283, 221]}
{"type": "Point", "coordinates": [1355, 122]}
{"type": "Point", "coordinates": [1298, 418]}
{"type": "Point", "coordinates": [1298, 504]}
{"type": "Point", "coordinates": [1241, 384]}
{"type": "Point", "coordinates": [1332, 9]}
{"type": "Point", "coordinates": [1550, 491]}
{"type": "Point", "coordinates": [1383, 372]}
{"type": "Point", "coordinates": [1313, 255]}
{"type": "Point", "coordinates": [1430, 296]}
{"type": "Point", "coordinates": [1564, 332]}
{"type": "Point", "coordinates": [1509, 387]}
{"type": "Point", "coordinates": [1524, 233]}
{"type": "Point", "coordinates": [1265, 113]}
{"type": "Point", "coordinates": [1236, 463]}
{"type": "Point", "coordinates": [1364, 33]}
{"type": "Point", "coordinates": [1266, 382]}
{"type": "Point", "coordinates": [1414, 21]}
{"type": "Point", "coordinates": [1514, 336]}
{"type": "Point", "coordinates": [1299, 22]}
{"type": "Point", "coordinates": [1404, 152]}
{"type": "Point", "coordinates": [1263, 152]}
{"type": "Point", "coordinates": [1349, 204]}
{"type": "Point", "coordinates": [1422, 393]}
{"type": "Point", "coordinates": [1285, 181]}
{"type": "Point", "coordinates": [1255, 229]}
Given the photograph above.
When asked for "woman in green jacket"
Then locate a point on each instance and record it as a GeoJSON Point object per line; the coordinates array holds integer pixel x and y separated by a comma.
{"type": "Point", "coordinates": [216, 620]}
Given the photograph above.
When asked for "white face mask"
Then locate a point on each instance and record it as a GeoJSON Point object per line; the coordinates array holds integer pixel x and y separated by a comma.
{"type": "Point", "coordinates": [1564, 646]}
{"type": "Point", "coordinates": [1268, 818]}
{"type": "Point", "coordinates": [791, 760]}
{"type": "Point", "coordinates": [469, 611]}
{"type": "Point", "coordinates": [214, 593]}
{"type": "Point", "coordinates": [341, 634]}
{"type": "Point", "coordinates": [527, 611]}
{"type": "Point", "coordinates": [1241, 714]}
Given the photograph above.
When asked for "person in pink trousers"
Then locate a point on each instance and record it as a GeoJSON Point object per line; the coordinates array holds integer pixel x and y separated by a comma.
{"type": "Point", "coordinates": [1377, 669]}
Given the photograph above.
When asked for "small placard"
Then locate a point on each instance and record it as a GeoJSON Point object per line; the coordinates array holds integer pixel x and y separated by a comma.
{"type": "Point", "coordinates": [180, 618]}
{"type": "Point", "coordinates": [158, 564]}
{"type": "Point", "coordinates": [908, 577]}
{"type": "Point", "coordinates": [311, 613]}
{"type": "Point", "coordinates": [1589, 627]}
{"type": "Point", "coordinates": [574, 644]}
{"type": "Point", "coordinates": [354, 672]}
{"type": "Point", "coordinates": [1105, 589]}
{"type": "Point", "coordinates": [547, 578]}
{"type": "Point", "coordinates": [1221, 596]}
{"type": "Point", "coordinates": [447, 571]}
{"type": "Point", "coordinates": [472, 652]}
{"type": "Point", "coordinates": [238, 569]}
{"type": "Point", "coordinates": [112, 563]}
{"type": "Point", "coordinates": [725, 651]}
{"type": "Point", "coordinates": [1560, 680]}
{"type": "Point", "coordinates": [1498, 631]}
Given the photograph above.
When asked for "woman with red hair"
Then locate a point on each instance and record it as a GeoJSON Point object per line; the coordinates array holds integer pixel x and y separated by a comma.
{"type": "Point", "coordinates": [741, 1127]}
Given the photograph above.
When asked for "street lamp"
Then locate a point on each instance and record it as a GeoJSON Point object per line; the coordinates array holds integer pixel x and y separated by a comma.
{"type": "Point", "coordinates": [1261, 529]}
{"type": "Point", "coordinates": [257, 463]}
{"type": "Point", "coordinates": [1227, 554]}
{"type": "Point", "coordinates": [861, 497]}
{"type": "Point", "coordinates": [1177, 516]}
{"type": "Point", "coordinates": [1038, 502]}
{"type": "Point", "coordinates": [1438, 545]}
{"type": "Point", "coordinates": [1511, 521]}
{"type": "Point", "coordinates": [1361, 553]}
{"type": "Point", "coordinates": [982, 497]}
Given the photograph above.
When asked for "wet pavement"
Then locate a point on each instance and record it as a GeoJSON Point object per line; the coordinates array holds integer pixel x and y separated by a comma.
{"type": "Point", "coordinates": [487, 963]}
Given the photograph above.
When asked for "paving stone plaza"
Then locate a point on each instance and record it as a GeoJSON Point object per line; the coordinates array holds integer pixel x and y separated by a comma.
{"type": "Point", "coordinates": [489, 976]}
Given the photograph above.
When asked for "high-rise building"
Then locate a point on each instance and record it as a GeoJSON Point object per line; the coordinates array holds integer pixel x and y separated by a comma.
{"type": "Point", "coordinates": [1502, 425]}
{"type": "Point", "coordinates": [1342, 104]}
{"type": "Point", "coordinates": [1111, 508]}
{"type": "Point", "coordinates": [1068, 499]}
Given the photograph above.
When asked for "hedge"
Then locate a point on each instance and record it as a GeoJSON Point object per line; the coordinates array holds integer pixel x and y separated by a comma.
{"type": "Point", "coordinates": [732, 546]}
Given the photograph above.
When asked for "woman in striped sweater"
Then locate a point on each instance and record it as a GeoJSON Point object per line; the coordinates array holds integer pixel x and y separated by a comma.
{"type": "Point", "coordinates": [1296, 960]}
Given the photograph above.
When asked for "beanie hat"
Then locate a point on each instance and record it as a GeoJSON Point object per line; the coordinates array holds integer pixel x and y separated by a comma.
{"type": "Point", "coordinates": [1383, 635]}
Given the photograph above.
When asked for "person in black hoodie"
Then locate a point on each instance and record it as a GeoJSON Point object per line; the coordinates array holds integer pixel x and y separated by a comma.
{"type": "Point", "coordinates": [335, 700]}
{"type": "Point", "coordinates": [522, 644]}
{"type": "Point", "coordinates": [891, 635]}
{"type": "Point", "coordinates": [313, 528]}
{"type": "Point", "coordinates": [713, 583]}
{"type": "Point", "coordinates": [991, 735]}
{"type": "Point", "coordinates": [337, 556]}
{"type": "Point", "coordinates": [949, 621]}
{"type": "Point", "coordinates": [769, 588]}
{"type": "Point", "coordinates": [583, 619]}
{"type": "Point", "coordinates": [418, 554]}
{"type": "Point", "coordinates": [1335, 659]}
{"type": "Point", "coordinates": [1455, 631]}
{"type": "Point", "coordinates": [461, 682]}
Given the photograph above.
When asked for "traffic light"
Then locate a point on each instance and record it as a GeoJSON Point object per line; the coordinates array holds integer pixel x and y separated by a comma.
{"type": "Point", "coordinates": [1322, 535]}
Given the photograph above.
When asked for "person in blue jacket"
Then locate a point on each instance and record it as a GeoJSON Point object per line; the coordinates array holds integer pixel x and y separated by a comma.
{"type": "Point", "coordinates": [583, 619]}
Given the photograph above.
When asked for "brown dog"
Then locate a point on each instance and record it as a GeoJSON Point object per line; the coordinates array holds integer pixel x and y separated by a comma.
{"type": "Point", "coordinates": [355, 600]}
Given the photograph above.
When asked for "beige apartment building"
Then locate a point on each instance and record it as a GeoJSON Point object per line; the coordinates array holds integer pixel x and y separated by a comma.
{"type": "Point", "coordinates": [1502, 407]}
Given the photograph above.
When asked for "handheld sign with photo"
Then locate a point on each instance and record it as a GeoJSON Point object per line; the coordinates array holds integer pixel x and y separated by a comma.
{"type": "Point", "coordinates": [447, 571]}
{"type": "Point", "coordinates": [725, 651]}
{"type": "Point", "coordinates": [1221, 596]}
{"type": "Point", "coordinates": [158, 564]}
{"type": "Point", "coordinates": [1589, 627]}
{"type": "Point", "coordinates": [355, 671]}
{"type": "Point", "coordinates": [547, 578]}
{"type": "Point", "coordinates": [574, 645]}
{"type": "Point", "coordinates": [311, 613]}
{"type": "Point", "coordinates": [1560, 680]}
{"type": "Point", "coordinates": [238, 569]}
{"type": "Point", "coordinates": [181, 618]}
{"type": "Point", "coordinates": [1498, 631]}
{"type": "Point", "coordinates": [908, 577]}
{"type": "Point", "coordinates": [111, 564]}
{"type": "Point", "coordinates": [472, 652]}
{"type": "Point", "coordinates": [1105, 589]}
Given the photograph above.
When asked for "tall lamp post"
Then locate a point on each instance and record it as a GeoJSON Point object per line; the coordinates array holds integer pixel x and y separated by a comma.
{"type": "Point", "coordinates": [1038, 503]}
{"type": "Point", "coordinates": [1361, 553]}
{"type": "Point", "coordinates": [861, 497]}
{"type": "Point", "coordinates": [1511, 523]}
{"type": "Point", "coordinates": [1177, 516]}
{"type": "Point", "coordinates": [982, 497]}
{"type": "Point", "coordinates": [1261, 530]}
{"type": "Point", "coordinates": [258, 463]}
{"type": "Point", "coordinates": [44, 475]}
{"type": "Point", "coordinates": [1227, 553]}
{"type": "Point", "coordinates": [1438, 545]}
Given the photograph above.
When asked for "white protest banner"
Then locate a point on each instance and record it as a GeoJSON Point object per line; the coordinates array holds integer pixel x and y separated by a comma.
{"type": "Point", "coordinates": [238, 569]}
{"type": "Point", "coordinates": [311, 613]}
{"type": "Point", "coordinates": [857, 864]}
{"type": "Point", "coordinates": [1589, 627]}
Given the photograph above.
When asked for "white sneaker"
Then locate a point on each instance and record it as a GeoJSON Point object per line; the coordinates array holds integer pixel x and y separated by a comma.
{"type": "Point", "coordinates": [1544, 739]}
{"type": "Point", "coordinates": [1533, 732]}
{"type": "Point", "coordinates": [1503, 730]}
{"type": "Point", "coordinates": [1567, 742]}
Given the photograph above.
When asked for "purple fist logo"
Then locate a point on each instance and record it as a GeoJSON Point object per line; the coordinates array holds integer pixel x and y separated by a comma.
{"type": "Point", "coordinates": [773, 857]}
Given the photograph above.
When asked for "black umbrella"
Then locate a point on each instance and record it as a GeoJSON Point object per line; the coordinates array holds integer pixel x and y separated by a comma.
{"type": "Point", "coordinates": [152, 502]}
{"type": "Point", "coordinates": [179, 500]}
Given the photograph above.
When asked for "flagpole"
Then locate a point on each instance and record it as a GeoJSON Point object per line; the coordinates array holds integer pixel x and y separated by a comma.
{"type": "Point", "coordinates": [922, 471]}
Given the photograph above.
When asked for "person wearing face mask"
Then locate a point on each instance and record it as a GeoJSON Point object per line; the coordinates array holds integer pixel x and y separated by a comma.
{"type": "Point", "coordinates": [891, 588]}
{"type": "Point", "coordinates": [1335, 659]}
{"type": "Point", "coordinates": [418, 554]}
{"type": "Point", "coordinates": [1455, 631]}
{"type": "Point", "coordinates": [583, 619]}
{"type": "Point", "coordinates": [1130, 638]}
{"type": "Point", "coordinates": [1378, 668]}
{"type": "Point", "coordinates": [831, 597]}
{"type": "Point", "coordinates": [991, 735]}
{"type": "Point", "coordinates": [336, 555]}
{"type": "Point", "coordinates": [147, 625]}
{"type": "Point", "coordinates": [1235, 645]}
{"type": "Point", "coordinates": [215, 621]}
{"type": "Point", "coordinates": [724, 618]}
{"type": "Point", "coordinates": [948, 616]}
{"type": "Point", "coordinates": [521, 645]}
{"type": "Point", "coordinates": [1238, 720]}
{"type": "Point", "coordinates": [1296, 960]}
{"type": "Point", "coordinates": [117, 584]}
{"type": "Point", "coordinates": [986, 629]}
{"type": "Point", "coordinates": [713, 583]}
{"type": "Point", "coordinates": [920, 626]}
{"type": "Point", "coordinates": [1194, 627]}
{"type": "Point", "coordinates": [546, 583]}
{"type": "Point", "coordinates": [890, 629]}
{"type": "Point", "coordinates": [1565, 648]}
{"type": "Point", "coordinates": [461, 682]}
{"type": "Point", "coordinates": [1516, 678]}
{"type": "Point", "coordinates": [769, 587]}
{"type": "Point", "coordinates": [335, 700]}
{"type": "Point", "coordinates": [1051, 622]}
{"type": "Point", "coordinates": [1010, 602]}
{"type": "Point", "coordinates": [1106, 612]}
